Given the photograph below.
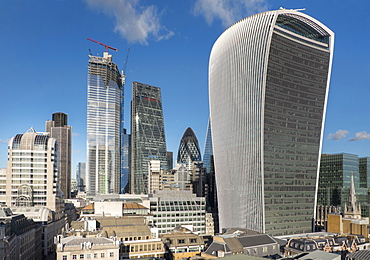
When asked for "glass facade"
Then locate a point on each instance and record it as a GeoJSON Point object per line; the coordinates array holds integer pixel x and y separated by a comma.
{"type": "Point", "coordinates": [81, 176]}
{"type": "Point", "coordinates": [208, 150]}
{"type": "Point", "coordinates": [125, 161]}
{"type": "Point", "coordinates": [336, 171]}
{"type": "Point", "coordinates": [268, 82]}
{"type": "Point", "coordinates": [189, 148]}
{"type": "Point", "coordinates": [104, 96]}
{"type": "Point", "coordinates": [147, 134]}
{"type": "Point", "coordinates": [364, 164]}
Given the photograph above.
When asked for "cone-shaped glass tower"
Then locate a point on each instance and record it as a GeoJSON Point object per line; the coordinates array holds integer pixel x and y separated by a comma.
{"type": "Point", "coordinates": [189, 148]}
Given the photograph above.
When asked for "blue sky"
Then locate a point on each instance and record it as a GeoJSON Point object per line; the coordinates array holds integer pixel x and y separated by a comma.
{"type": "Point", "coordinates": [43, 66]}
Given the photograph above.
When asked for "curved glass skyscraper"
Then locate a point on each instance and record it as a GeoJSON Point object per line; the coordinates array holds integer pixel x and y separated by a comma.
{"type": "Point", "coordinates": [268, 83]}
{"type": "Point", "coordinates": [189, 148]}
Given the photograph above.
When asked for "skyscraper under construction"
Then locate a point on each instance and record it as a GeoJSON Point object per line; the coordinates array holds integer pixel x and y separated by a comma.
{"type": "Point", "coordinates": [104, 97]}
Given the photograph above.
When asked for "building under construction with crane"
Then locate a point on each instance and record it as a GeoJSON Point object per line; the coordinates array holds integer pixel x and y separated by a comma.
{"type": "Point", "coordinates": [104, 103]}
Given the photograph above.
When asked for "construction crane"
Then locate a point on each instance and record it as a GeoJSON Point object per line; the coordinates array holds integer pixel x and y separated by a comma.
{"type": "Point", "coordinates": [106, 46]}
{"type": "Point", "coordinates": [124, 68]}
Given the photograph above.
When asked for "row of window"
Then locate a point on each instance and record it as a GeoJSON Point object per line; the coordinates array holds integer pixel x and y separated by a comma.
{"type": "Point", "coordinates": [28, 159]}
{"type": "Point", "coordinates": [88, 256]}
{"type": "Point", "coordinates": [182, 241]}
{"type": "Point", "coordinates": [201, 224]}
{"type": "Point", "coordinates": [35, 154]}
{"type": "Point", "coordinates": [139, 248]}
{"type": "Point", "coordinates": [171, 203]}
{"type": "Point", "coordinates": [180, 220]}
{"type": "Point", "coordinates": [28, 170]}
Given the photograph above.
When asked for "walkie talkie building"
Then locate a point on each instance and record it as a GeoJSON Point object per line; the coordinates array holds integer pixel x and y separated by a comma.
{"type": "Point", "coordinates": [268, 83]}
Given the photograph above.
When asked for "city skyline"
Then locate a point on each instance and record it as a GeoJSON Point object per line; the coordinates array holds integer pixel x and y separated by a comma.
{"type": "Point", "coordinates": [174, 57]}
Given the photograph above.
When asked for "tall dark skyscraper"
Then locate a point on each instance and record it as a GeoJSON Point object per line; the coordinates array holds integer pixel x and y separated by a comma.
{"type": "Point", "coordinates": [268, 83]}
{"type": "Point", "coordinates": [169, 156]}
{"type": "Point", "coordinates": [189, 148]}
{"type": "Point", "coordinates": [104, 94]}
{"type": "Point", "coordinates": [62, 132]}
{"type": "Point", "coordinates": [147, 134]}
{"type": "Point", "coordinates": [364, 164]}
{"type": "Point", "coordinates": [125, 161]}
{"type": "Point", "coordinates": [208, 150]}
{"type": "Point", "coordinates": [81, 176]}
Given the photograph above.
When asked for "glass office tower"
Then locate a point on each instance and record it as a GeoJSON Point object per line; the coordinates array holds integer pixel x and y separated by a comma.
{"type": "Point", "coordinates": [81, 176]}
{"type": "Point", "coordinates": [208, 150]}
{"type": "Point", "coordinates": [147, 134]}
{"type": "Point", "coordinates": [189, 148]}
{"type": "Point", "coordinates": [336, 174]}
{"type": "Point", "coordinates": [104, 96]}
{"type": "Point", "coordinates": [125, 161]}
{"type": "Point", "coordinates": [268, 83]}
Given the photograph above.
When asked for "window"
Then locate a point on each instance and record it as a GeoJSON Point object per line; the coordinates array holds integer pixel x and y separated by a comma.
{"type": "Point", "coordinates": [181, 241]}
{"type": "Point", "coordinates": [82, 256]}
{"type": "Point", "coordinates": [102, 255]}
{"type": "Point", "coordinates": [88, 255]}
{"type": "Point", "coordinates": [74, 256]}
{"type": "Point", "coordinates": [64, 257]}
{"type": "Point", "coordinates": [111, 254]}
{"type": "Point", "coordinates": [193, 240]}
{"type": "Point", "coordinates": [95, 255]}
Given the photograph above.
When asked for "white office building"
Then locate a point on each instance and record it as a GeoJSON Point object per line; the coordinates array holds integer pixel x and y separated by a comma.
{"type": "Point", "coordinates": [32, 177]}
{"type": "Point", "coordinates": [172, 208]}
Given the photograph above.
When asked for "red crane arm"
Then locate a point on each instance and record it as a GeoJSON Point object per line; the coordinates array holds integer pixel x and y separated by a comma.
{"type": "Point", "coordinates": [106, 46]}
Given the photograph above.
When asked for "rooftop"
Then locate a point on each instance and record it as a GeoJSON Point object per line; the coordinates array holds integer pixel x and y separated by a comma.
{"type": "Point", "coordinates": [77, 241]}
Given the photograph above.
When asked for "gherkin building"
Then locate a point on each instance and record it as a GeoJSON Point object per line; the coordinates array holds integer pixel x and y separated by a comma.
{"type": "Point", "coordinates": [189, 148]}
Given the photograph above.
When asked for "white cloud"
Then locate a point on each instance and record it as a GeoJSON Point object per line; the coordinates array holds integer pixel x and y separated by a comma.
{"type": "Point", "coordinates": [361, 136]}
{"type": "Point", "coordinates": [338, 135]}
{"type": "Point", "coordinates": [134, 22]}
{"type": "Point", "coordinates": [4, 141]}
{"type": "Point", "coordinates": [228, 11]}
